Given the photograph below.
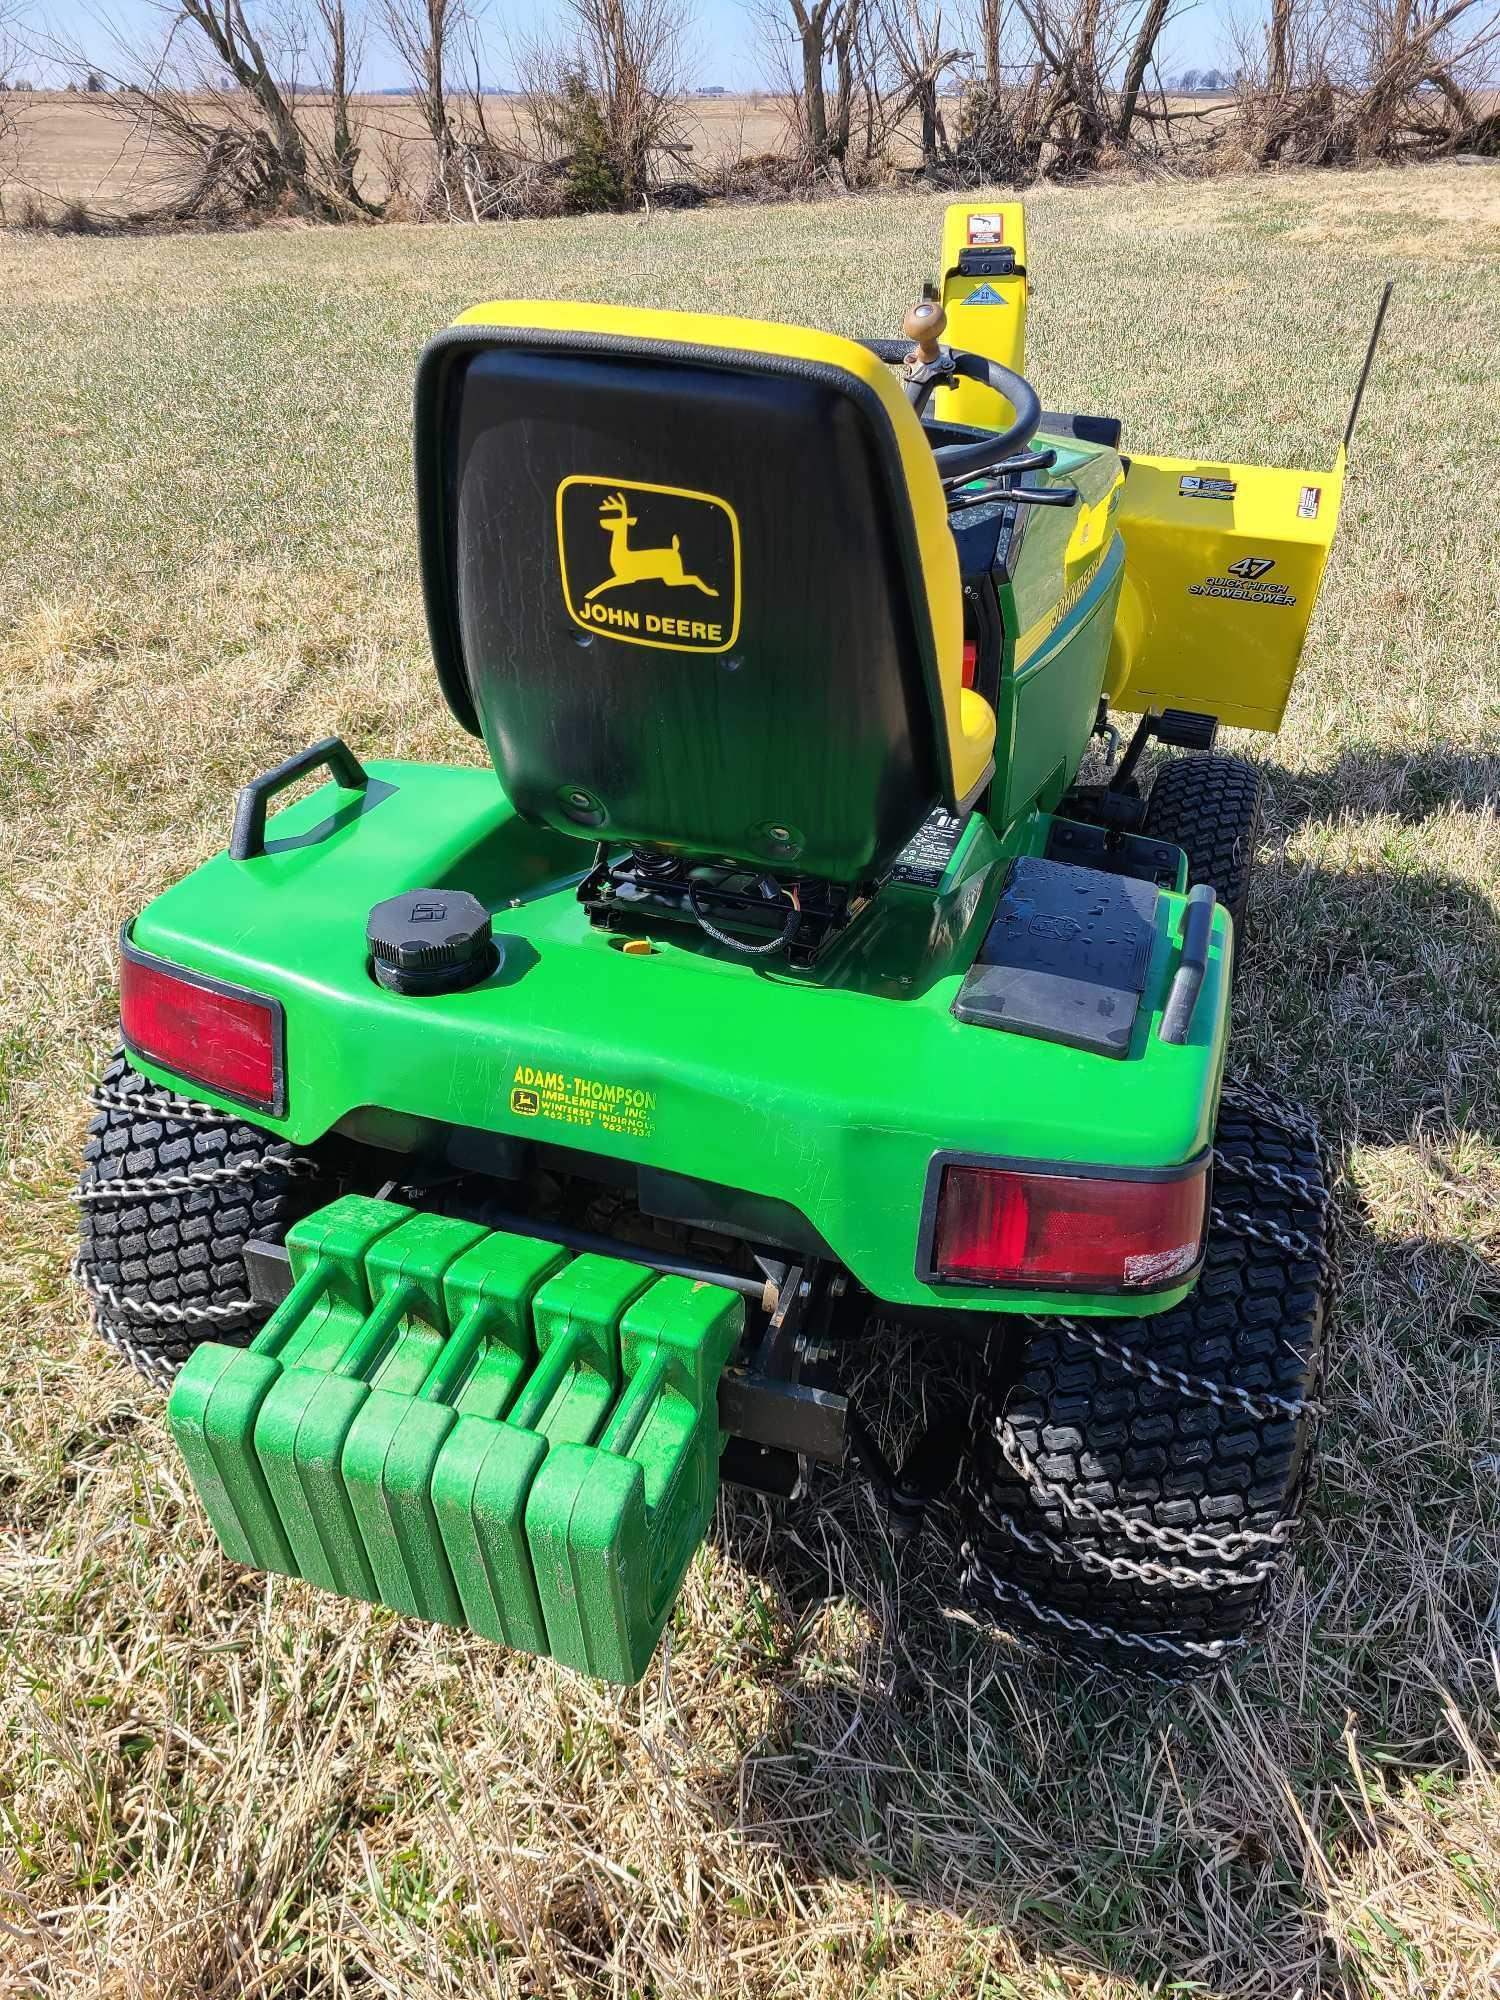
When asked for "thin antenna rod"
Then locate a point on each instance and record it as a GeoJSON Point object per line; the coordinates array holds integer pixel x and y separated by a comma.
{"type": "Point", "coordinates": [1364, 373]}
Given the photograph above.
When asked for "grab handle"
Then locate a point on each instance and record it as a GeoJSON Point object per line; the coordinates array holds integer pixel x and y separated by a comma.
{"type": "Point", "coordinates": [249, 836]}
{"type": "Point", "coordinates": [1187, 983]}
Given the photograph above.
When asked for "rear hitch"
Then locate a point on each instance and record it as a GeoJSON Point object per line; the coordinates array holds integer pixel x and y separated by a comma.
{"type": "Point", "coordinates": [927, 1471]}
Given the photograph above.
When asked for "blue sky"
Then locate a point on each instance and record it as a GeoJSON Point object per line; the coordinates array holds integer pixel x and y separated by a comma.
{"type": "Point", "coordinates": [726, 41]}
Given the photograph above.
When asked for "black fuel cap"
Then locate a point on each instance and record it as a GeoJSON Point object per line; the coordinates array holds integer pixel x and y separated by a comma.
{"type": "Point", "coordinates": [431, 941]}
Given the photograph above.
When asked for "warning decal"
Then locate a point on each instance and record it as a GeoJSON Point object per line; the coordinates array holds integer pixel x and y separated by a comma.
{"type": "Point", "coordinates": [586, 1101]}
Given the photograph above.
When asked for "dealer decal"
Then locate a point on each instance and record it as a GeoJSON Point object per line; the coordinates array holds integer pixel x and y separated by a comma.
{"type": "Point", "coordinates": [588, 1102]}
{"type": "Point", "coordinates": [650, 565]}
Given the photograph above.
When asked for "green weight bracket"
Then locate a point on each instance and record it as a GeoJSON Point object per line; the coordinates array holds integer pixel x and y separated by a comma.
{"type": "Point", "coordinates": [613, 1525]}
{"type": "Point", "coordinates": [485, 1469]}
{"type": "Point", "coordinates": [307, 1415]}
{"type": "Point", "coordinates": [396, 1438]}
{"type": "Point", "coordinates": [219, 1394]}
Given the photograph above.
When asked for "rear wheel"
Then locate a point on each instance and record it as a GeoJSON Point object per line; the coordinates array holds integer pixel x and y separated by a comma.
{"type": "Point", "coordinates": [1210, 807]}
{"type": "Point", "coordinates": [1132, 1485]}
{"type": "Point", "coordinates": [171, 1192]}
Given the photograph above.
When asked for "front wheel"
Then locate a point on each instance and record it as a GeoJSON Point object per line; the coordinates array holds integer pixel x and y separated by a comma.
{"type": "Point", "coordinates": [1210, 807]}
{"type": "Point", "coordinates": [1132, 1486]}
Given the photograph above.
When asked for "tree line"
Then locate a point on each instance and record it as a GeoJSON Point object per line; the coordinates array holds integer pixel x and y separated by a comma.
{"type": "Point", "coordinates": [253, 111]}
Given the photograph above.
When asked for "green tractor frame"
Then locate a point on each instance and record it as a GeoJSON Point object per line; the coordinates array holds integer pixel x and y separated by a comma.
{"type": "Point", "coordinates": [499, 1159]}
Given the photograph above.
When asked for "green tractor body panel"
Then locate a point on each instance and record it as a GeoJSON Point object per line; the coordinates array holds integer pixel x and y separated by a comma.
{"type": "Point", "coordinates": [471, 1428]}
{"type": "Point", "coordinates": [825, 1094]}
{"type": "Point", "coordinates": [1058, 610]}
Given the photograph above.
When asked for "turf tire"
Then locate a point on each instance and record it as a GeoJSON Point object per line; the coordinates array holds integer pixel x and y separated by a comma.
{"type": "Point", "coordinates": [1101, 1435]}
{"type": "Point", "coordinates": [1210, 806]}
{"type": "Point", "coordinates": [153, 1262]}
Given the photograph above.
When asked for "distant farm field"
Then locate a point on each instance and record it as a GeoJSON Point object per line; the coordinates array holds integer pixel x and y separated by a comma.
{"type": "Point", "coordinates": [70, 147]}
{"type": "Point", "coordinates": [831, 1785]}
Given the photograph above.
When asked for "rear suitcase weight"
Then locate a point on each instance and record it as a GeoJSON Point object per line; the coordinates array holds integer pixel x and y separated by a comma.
{"type": "Point", "coordinates": [219, 1394]}
{"type": "Point", "coordinates": [305, 1422]}
{"type": "Point", "coordinates": [398, 1436]}
{"type": "Point", "coordinates": [612, 1526]}
{"type": "Point", "coordinates": [485, 1469]}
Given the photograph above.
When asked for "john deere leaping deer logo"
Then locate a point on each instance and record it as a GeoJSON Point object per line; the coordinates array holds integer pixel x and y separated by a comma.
{"type": "Point", "coordinates": [635, 560]}
{"type": "Point", "coordinates": [628, 565]}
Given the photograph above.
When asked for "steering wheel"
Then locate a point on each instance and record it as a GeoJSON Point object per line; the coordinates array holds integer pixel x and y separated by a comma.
{"type": "Point", "coordinates": [930, 366]}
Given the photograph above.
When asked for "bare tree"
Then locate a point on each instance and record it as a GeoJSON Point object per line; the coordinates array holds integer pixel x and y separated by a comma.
{"type": "Point", "coordinates": [426, 34]}
{"type": "Point", "coordinates": [343, 50]}
{"type": "Point", "coordinates": [806, 39]}
{"type": "Point", "coordinates": [235, 45]}
{"type": "Point", "coordinates": [1340, 82]}
{"type": "Point", "coordinates": [10, 53]}
{"type": "Point", "coordinates": [849, 45]}
{"type": "Point", "coordinates": [924, 58]}
{"type": "Point", "coordinates": [218, 103]}
{"type": "Point", "coordinates": [988, 19]}
{"type": "Point", "coordinates": [814, 24]}
{"type": "Point", "coordinates": [605, 99]}
{"type": "Point", "coordinates": [1147, 34]}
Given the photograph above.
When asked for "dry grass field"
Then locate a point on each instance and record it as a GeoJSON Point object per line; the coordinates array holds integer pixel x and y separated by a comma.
{"type": "Point", "coordinates": [831, 1783]}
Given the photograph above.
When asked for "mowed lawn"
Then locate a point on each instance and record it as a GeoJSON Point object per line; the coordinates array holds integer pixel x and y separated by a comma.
{"type": "Point", "coordinates": [831, 1783]}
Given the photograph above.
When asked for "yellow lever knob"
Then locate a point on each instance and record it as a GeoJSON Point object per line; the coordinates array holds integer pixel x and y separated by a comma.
{"type": "Point", "coordinates": [925, 324]}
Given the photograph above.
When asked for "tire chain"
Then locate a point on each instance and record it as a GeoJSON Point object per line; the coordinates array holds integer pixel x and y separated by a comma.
{"type": "Point", "coordinates": [1126, 1569]}
{"type": "Point", "coordinates": [293, 1166]}
{"type": "Point", "coordinates": [159, 1104]}
{"type": "Point", "coordinates": [169, 1105]}
{"type": "Point", "coordinates": [145, 1360]}
{"type": "Point", "coordinates": [1187, 1654]}
{"type": "Point", "coordinates": [1290, 1117]}
{"type": "Point", "coordinates": [1145, 1534]}
{"type": "Point", "coordinates": [1204, 1654]}
{"type": "Point", "coordinates": [185, 1110]}
{"type": "Point", "coordinates": [106, 1295]}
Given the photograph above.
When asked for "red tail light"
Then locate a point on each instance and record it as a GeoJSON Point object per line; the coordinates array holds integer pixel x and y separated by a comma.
{"type": "Point", "coordinates": [971, 661]}
{"type": "Point", "coordinates": [200, 1028]}
{"type": "Point", "coordinates": [1008, 1226]}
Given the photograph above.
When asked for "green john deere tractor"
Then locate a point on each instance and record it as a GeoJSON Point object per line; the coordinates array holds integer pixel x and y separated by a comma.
{"type": "Point", "coordinates": [498, 1160]}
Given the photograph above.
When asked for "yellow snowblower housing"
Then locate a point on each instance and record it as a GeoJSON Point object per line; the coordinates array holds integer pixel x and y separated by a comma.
{"type": "Point", "coordinates": [1223, 562]}
{"type": "Point", "coordinates": [752, 514]}
{"type": "Point", "coordinates": [1222, 569]}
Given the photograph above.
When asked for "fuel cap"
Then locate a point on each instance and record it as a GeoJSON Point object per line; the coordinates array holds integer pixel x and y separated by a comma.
{"type": "Point", "coordinates": [431, 941]}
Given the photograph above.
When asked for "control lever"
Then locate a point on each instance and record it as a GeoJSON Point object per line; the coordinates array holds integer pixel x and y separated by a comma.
{"type": "Point", "coordinates": [1010, 468]}
{"type": "Point", "coordinates": [1044, 496]}
{"type": "Point", "coordinates": [929, 364]}
{"type": "Point", "coordinates": [1031, 496]}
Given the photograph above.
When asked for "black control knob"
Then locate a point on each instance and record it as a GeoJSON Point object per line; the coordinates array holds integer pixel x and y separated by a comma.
{"type": "Point", "coordinates": [431, 941]}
